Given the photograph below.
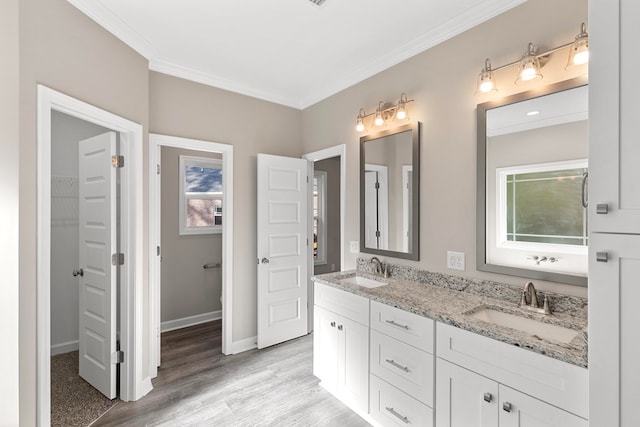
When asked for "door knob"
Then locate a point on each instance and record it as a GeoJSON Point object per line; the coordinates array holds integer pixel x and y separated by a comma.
{"type": "Point", "coordinates": [78, 272]}
{"type": "Point", "coordinates": [265, 260]}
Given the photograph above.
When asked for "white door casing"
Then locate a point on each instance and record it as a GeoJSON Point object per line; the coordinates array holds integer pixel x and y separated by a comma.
{"type": "Point", "coordinates": [376, 210]}
{"type": "Point", "coordinates": [98, 241]}
{"type": "Point", "coordinates": [282, 216]}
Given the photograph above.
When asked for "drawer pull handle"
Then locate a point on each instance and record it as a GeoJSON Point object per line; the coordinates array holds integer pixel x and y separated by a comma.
{"type": "Point", "coordinates": [506, 406]}
{"type": "Point", "coordinates": [394, 323]}
{"type": "Point", "coordinates": [397, 365]}
{"type": "Point", "coordinates": [602, 256]}
{"type": "Point", "coordinates": [488, 397]}
{"type": "Point", "coordinates": [397, 415]}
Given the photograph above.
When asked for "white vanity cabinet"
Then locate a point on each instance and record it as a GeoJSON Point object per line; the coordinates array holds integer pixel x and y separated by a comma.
{"type": "Point", "coordinates": [486, 383]}
{"type": "Point", "coordinates": [341, 344]}
{"type": "Point", "coordinates": [402, 367]}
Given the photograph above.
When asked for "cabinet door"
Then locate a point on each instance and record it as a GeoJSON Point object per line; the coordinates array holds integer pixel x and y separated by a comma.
{"type": "Point", "coordinates": [325, 347]}
{"type": "Point", "coordinates": [520, 410]}
{"type": "Point", "coordinates": [353, 362]}
{"type": "Point", "coordinates": [614, 90]}
{"type": "Point", "coordinates": [464, 398]}
{"type": "Point", "coordinates": [614, 340]}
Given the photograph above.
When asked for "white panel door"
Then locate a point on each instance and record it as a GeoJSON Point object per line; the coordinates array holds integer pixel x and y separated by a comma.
{"type": "Point", "coordinates": [325, 347]}
{"type": "Point", "coordinates": [282, 249]}
{"type": "Point", "coordinates": [464, 398]}
{"type": "Point", "coordinates": [520, 410]}
{"type": "Point", "coordinates": [353, 362]}
{"type": "Point", "coordinates": [98, 234]}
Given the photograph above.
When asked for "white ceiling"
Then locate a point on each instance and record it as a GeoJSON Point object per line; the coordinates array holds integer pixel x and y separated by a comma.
{"type": "Point", "coordinates": [291, 52]}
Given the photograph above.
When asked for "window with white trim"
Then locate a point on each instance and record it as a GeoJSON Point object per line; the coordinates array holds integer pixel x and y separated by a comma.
{"type": "Point", "coordinates": [540, 220]}
{"type": "Point", "coordinates": [201, 195]}
{"type": "Point", "coordinates": [319, 217]}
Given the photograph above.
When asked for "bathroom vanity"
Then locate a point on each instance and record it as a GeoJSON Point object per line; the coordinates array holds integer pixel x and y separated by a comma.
{"type": "Point", "coordinates": [403, 352]}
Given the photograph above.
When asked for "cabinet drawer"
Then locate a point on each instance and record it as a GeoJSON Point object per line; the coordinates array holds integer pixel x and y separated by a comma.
{"type": "Point", "coordinates": [349, 305]}
{"type": "Point", "coordinates": [403, 366]}
{"type": "Point", "coordinates": [402, 325]}
{"type": "Point", "coordinates": [553, 381]}
{"type": "Point", "coordinates": [391, 407]}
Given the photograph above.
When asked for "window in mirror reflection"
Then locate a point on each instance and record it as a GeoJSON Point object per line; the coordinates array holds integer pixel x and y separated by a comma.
{"type": "Point", "coordinates": [319, 217]}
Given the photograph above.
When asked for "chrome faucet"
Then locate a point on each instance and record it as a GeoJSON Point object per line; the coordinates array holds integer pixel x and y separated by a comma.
{"type": "Point", "coordinates": [533, 300]}
{"type": "Point", "coordinates": [380, 267]}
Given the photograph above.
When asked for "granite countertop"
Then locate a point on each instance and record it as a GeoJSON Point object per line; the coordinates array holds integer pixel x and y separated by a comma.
{"type": "Point", "coordinates": [449, 306]}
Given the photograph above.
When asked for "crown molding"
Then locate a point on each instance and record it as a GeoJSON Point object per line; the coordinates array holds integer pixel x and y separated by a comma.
{"type": "Point", "coordinates": [111, 22]}
{"type": "Point", "coordinates": [461, 23]}
{"type": "Point", "coordinates": [209, 79]}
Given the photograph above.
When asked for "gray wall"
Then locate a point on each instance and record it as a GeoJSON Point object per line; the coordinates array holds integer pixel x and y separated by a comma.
{"type": "Point", "coordinates": [332, 167]}
{"type": "Point", "coordinates": [65, 50]}
{"type": "Point", "coordinates": [442, 81]}
{"type": "Point", "coordinates": [66, 131]}
{"type": "Point", "coordinates": [187, 288]}
{"type": "Point", "coordinates": [192, 110]}
{"type": "Point", "coordinates": [9, 211]}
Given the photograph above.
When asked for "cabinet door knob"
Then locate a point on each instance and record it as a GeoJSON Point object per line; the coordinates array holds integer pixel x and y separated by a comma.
{"type": "Point", "coordinates": [339, 327]}
{"type": "Point", "coordinates": [602, 208]}
{"type": "Point", "coordinates": [602, 256]}
{"type": "Point", "coordinates": [333, 324]}
{"type": "Point", "coordinates": [488, 397]}
{"type": "Point", "coordinates": [506, 406]}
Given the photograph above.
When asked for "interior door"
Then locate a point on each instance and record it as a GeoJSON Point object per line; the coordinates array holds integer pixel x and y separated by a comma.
{"type": "Point", "coordinates": [282, 248]}
{"type": "Point", "coordinates": [98, 241]}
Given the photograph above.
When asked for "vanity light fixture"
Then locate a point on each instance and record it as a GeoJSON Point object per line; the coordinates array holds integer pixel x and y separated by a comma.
{"type": "Point", "coordinates": [529, 67]}
{"type": "Point", "coordinates": [529, 64]}
{"type": "Point", "coordinates": [384, 113]}
{"type": "Point", "coordinates": [579, 51]}
{"type": "Point", "coordinates": [486, 80]}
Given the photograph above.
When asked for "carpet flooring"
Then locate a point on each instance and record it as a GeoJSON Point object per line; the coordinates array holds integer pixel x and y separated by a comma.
{"type": "Point", "coordinates": [74, 403]}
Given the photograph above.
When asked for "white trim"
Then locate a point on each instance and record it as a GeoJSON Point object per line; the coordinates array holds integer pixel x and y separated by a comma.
{"type": "Point", "coordinates": [116, 26]}
{"type": "Point", "coordinates": [321, 176]}
{"type": "Point", "coordinates": [405, 206]}
{"type": "Point", "coordinates": [185, 322]}
{"type": "Point", "coordinates": [243, 345]}
{"type": "Point", "coordinates": [65, 347]}
{"type": "Point", "coordinates": [132, 385]}
{"type": "Point", "coordinates": [155, 143]}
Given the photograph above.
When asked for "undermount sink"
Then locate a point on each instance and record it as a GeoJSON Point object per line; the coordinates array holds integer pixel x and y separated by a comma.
{"type": "Point", "coordinates": [532, 327]}
{"type": "Point", "coordinates": [364, 281]}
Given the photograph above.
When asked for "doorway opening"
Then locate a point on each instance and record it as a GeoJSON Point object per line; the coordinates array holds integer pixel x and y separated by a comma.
{"type": "Point", "coordinates": [133, 384]}
{"type": "Point", "coordinates": [327, 212]}
{"type": "Point", "coordinates": [198, 243]}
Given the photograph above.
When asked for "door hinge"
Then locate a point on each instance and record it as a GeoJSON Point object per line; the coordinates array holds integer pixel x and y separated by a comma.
{"type": "Point", "coordinates": [377, 233]}
{"type": "Point", "coordinates": [158, 250]}
{"type": "Point", "coordinates": [377, 186]}
{"type": "Point", "coordinates": [117, 259]}
{"type": "Point", "coordinates": [307, 241]}
{"type": "Point", "coordinates": [117, 161]}
{"type": "Point", "coordinates": [117, 357]}
{"type": "Point", "coordinates": [157, 169]}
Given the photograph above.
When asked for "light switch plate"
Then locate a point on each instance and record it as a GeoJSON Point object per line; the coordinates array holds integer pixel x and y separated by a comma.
{"type": "Point", "coordinates": [355, 246]}
{"type": "Point", "coordinates": [455, 260]}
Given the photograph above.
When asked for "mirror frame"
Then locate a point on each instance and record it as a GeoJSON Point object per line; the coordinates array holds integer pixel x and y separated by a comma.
{"type": "Point", "coordinates": [414, 251]}
{"type": "Point", "coordinates": [481, 196]}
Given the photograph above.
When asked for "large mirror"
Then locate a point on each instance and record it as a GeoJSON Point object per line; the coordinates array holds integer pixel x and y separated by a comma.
{"type": "Point", "coordinates": [389, 191]}
{"type": "Point", "coordinates": [532, 180]}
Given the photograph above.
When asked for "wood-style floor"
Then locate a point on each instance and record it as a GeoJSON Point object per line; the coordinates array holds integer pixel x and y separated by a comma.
{"type": "Point", "coordinates": [198, 386]}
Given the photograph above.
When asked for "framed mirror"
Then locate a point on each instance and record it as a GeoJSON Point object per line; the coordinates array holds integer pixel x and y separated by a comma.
{"type": "Point", "coordinates": [389, 192]}
{"type": "Point", "coordinates": [531, 186]}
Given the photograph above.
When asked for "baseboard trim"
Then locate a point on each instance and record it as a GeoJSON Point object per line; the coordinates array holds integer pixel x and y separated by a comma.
{"type": "Point", "coordinates": [185, 322]}
{"type": "Point", "coordinates": [243, 345]}
{"type": "Point", "coordinates": [144, 387]}
{"type": "Point", "coordinates": [65, 347]}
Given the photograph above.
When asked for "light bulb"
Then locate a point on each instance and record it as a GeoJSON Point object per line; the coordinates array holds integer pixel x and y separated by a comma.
{"type": "Point", "coordinates": [379, 121]}
{"type": "Point", "coordinates": [360, 126]}
{"type": "Point", "coordinates": [486, 86]}
{"type": "Point", "coordinates": [581, 57]}
{"type": "Point", "coordinates": [401, 114]}
{"type": "Point", "coordinates": [528, 73]}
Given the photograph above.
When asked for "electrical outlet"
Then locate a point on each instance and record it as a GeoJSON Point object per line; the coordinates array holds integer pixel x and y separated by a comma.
{"type": "Point", "coordinates": [355, 246]}
{"type": "Point", "coordinates": [455, 260]}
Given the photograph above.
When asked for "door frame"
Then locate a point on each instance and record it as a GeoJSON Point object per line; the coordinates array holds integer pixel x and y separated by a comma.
{"type": "Point", "coordinates": [132, 384]}
{"type": "Point", "coordinates": [327, 153]}
{"type": "Point", "coordinates": [156, 142]}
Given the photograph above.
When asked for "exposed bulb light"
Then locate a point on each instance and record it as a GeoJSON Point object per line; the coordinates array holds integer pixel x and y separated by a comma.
{"type": "Point", "coordinates": [579, 50]}
{"type": "Point", "coordinates": [359, 122]}
{"type": "Point", "coordinates": [486, 81]}
{"type": "Point", "coordinates": [401, 110]}
{"type": "Point", "coordinates": [529, 67]}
